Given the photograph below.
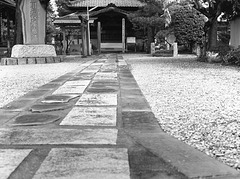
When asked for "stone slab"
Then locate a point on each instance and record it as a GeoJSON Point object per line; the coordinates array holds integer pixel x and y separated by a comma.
{"type": "Point", "coordinates": [135, 104]}
{"type": "Point", "coordinates": [92, 163]}
{"type": "Point", "coordinates": [89, 71]}
{"type": "Point", "coordinates": [105, 76]}
{"type": "Point", "coordinates": [97, 99]}
{"type": "Point", "coordinates": [20, 136]}
{"type": "Point", "coordinates": [59, 98]}
{"type": "Point", "coordinates": [19, 51]}
{"type": "Point", "coordinates": [9, 61]}
{"type": "Point", "coordinates": [105, 83]}
{"type": "Point", "coordinates": [31, 60]}
{"type": "Point", "coordinates": [49, 86]}
{"type": "Point", "coordinates": [46, 107]}
{"type": "Point", "coordinates": [10, 159]}
{"type": "Point", "coordinates": [186, 159]}
{"type": "Point", "coordinates": [50, 60]}
{"type": "Point", "coordinates": [91, 116]}
{"type": "Point", "coordinates": [57, 59]}
{"type": "Point", "coordinates": [140, 120]}
{"type": "Point", "coordinates": [84, 76]}
{"type": "Point", "coordinates": [102, 90]}
{"type": "Point", "coordinates": [40, 60]}
{"type": "Point", "coordinates": [36, 93]}
{"type": "Point", "coordinates": [70, 90]}
{"type": "Point", "coordinates": [5, 116]}
{"type": "Point", "coordinates": [77, 83]}
{"type": "Point", "coordinates": [22, 61]}
{"type": "Point", "coordinates": [34, 119]}
{"type": "Point", "coordinates": [19, 104]}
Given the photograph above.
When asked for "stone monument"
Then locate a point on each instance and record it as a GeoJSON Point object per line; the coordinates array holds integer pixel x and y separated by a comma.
{"type": "Point", "coordinates": [33, 50]}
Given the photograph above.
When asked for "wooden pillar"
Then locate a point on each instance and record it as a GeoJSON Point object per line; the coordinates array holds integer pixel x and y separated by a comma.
{"type": "Point", "coordinates": [88, 39]}
{"type": "Point", "coordinates": [64, 41]}
{"type": "Point", "coordinates": [8, 34]}
{"type": "Point", "coordinates": [0, 26]}
{"type": "Point", "coordinates": [123, 35]}
{"type": "Point", "coordinates": [84, 40]}
{"type": "Point", "coordinates": [99, 37]}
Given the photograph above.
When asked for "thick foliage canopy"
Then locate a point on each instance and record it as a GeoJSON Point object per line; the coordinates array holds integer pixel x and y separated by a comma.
{"type": "Point", "coordinates": [188, 25]}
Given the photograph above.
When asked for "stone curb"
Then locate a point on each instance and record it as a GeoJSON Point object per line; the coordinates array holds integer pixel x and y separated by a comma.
{"type": "Point", "coordinates": [30, 60]}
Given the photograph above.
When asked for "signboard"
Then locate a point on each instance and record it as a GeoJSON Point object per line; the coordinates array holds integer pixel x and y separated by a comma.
{"type": "Point", "coordinates": [131, 40]}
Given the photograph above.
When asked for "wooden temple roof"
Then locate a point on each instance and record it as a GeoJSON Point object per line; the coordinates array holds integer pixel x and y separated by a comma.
{"type": "Point", "coordinates": [104, 3]}
{"type": "Point", "coordinates": [8, 3]}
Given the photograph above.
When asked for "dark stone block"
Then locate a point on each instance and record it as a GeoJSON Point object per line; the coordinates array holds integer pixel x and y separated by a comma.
{"type": "Point", "coordinates": [3, 61]}
{"type": "Point", "coordinates": [48, 107]}
{"type": "Point", "coordinates": [101, 90]}
{"type": "Point", "coordinates": [57, 59]}
{"type": "Point", "coordinates": [59, 98]}
{"type": "Point", "coordinates": [35, 119]}
{"type": "Point", "coordinates": [35, 94]}
{"type": "Point", "coordinates": [139, 120]}
{"type": "Point", "coordinates": [19, 104]}
{"type": "Point", "coordinates": [135, 104]}
{"type": "Point", "coordinates": [49, 60]}
{"type": "Point", "coordinates": [12, 61]}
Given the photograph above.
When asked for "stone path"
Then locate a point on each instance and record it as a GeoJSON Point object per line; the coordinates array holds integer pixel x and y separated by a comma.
{"type": "Point", "coordinates": [94, 123]}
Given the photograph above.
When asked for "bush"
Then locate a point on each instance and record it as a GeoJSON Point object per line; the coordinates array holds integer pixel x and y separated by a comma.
{"type": "Point", "coordinates": [232, 58]}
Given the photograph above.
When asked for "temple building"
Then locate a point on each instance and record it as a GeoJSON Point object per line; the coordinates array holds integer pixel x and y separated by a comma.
{"type": "Point", "coordinates": [7, 18]}
{"type": "Point", "coordinates": [104, 25]}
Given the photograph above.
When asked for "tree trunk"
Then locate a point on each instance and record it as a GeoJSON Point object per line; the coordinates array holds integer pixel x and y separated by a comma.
{"type": "Point", "coordinates": [18, 24]}
{"type": "Point", "coordinates": [212, 35]}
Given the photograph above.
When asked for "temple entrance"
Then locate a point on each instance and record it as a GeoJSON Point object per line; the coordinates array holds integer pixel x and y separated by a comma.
{"type": "Point", "coordinates": [112, 26]}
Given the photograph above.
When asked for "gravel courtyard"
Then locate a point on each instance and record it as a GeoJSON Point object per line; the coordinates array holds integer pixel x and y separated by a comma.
{"type": "Point", "coordinates": [16, 80]}
{"type": "Point", "coordinates": [198, 103]}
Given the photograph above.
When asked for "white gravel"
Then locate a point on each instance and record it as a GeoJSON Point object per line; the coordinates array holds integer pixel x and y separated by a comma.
{"type": "Point", "coordinates": [195, 102]}
{"type": "Point", "coordinates": [16, 80]}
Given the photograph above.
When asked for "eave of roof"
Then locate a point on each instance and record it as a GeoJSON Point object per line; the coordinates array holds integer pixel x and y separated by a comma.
{"type": "Point", "coordinates": [104, 3]}
{"type": "Point", "coordinates": [8, 3]}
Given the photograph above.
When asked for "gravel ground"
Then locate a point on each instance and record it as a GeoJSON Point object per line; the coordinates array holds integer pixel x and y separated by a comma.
{"type": "Point", "coordinates": [195, 102]}
{"type": "Point", "coordinates": [16, 80]}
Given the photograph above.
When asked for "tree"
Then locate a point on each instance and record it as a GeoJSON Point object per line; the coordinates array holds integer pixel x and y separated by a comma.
{"type": "Point", "coordinates": [188, 26]}
{"type": "Point", "coordinates": [212, 9]}
{"type": "Point", "coordinates": [149, 20]}
{"type": "Point", "coordinates": [62, 7]}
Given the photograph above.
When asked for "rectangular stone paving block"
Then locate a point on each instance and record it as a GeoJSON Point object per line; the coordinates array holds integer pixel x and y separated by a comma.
{"type": "Point", "coordinates": [91, 163]}
{"type": "Point", "coordinates": [135, 104]}
{"type": "Point", "coordinates": [22, 61]}
{"type": "Point", "coordinates": [70, 90]}
{"type": "Point", "coordinates": [105, 76]}
{"type": "Point", "coordinates": [31, 60]}
{"type": "Point", "coordinates": [10, 159]}
{"type": "Point", "coordinates": [11, 61]}
{"type": "Point", "coordinates": [77, 83]}
{"type": "Point", "coordinates": [50, 60]}
{"type": "Point", "coordinates": [97, 99]}
{"type": "Point", "coordinates": [91, 116]}
{"type": "Point", "coordinates": [41, 60]}
{"type": "Point", "coordinates": [20, 136]}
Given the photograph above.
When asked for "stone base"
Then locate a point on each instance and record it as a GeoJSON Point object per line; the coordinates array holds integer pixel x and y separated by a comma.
{"type": "Point", "coordinates": [25, 51]}
{"type": "Point", "coordinates": [31, 60]}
